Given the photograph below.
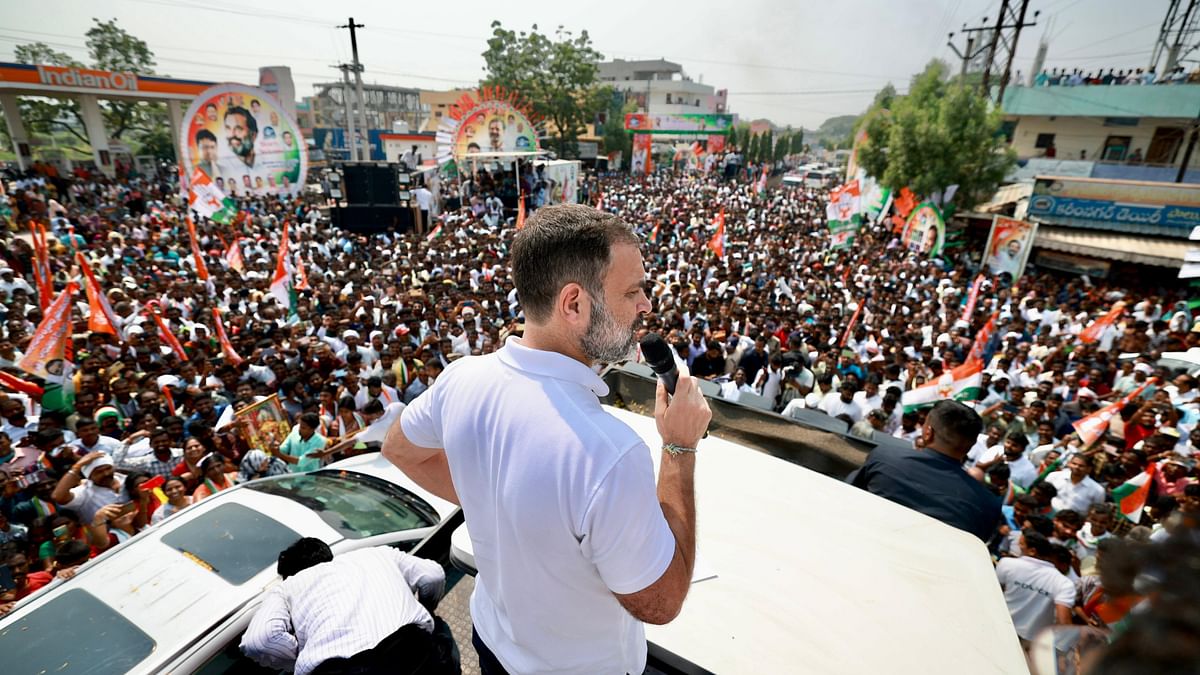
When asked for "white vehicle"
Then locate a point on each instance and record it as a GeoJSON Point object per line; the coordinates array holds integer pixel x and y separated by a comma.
{"type": "Point", "coordinates": [1188, 361]}
{"type": "Point", "coordinates": [177, 597]}
{"type": "Point", "coordinates": [822, 178]}
{"type": "Point", "coordinates": [797, 572]}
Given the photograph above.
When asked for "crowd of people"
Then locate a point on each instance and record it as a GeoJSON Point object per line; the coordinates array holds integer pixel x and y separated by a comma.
{"type": "Point", "coordinates": [1078, 77]}
{"type": "Point", "coordinates": [759, 305]}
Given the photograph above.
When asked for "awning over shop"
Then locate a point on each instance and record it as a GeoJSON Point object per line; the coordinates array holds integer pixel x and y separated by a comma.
{"type": "Point", "coordinates": [1114, 246]}
{"type": "Point", "coordinates": [1005, 195]}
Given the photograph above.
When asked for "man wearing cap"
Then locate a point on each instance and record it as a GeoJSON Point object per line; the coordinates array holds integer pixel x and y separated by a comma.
{"type": "Point", "coordinates": [90, 485]}
{"type": "Point", "coordinates": [8, 282]}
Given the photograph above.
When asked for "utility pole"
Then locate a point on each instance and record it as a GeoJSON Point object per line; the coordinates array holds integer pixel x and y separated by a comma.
{"type": "Point", "coordinates": [972, 51]}
{"type": "Point", "coordinates": [1003, 45]}
{"type": "Point", "coordinates": [1176, 36]}
{"type": "Point", "coordinates": [362, 101]}
{"type": "Point", "coordinates": [352, 154]}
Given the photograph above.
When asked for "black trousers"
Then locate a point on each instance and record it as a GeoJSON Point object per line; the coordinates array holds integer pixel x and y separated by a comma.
{"type": "Point", "coordinates": [408, 651]}
{"type": "Point", "coordinates": [488, 663]}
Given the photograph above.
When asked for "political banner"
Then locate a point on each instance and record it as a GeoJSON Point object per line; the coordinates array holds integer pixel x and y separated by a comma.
{"type": "Point", "coordinates": [244, 142]}
{"type": "Point", "coordinates": [842, 214]}
{"type": "Point", "coordinates": [925, 230]}
{"type": "Point", "coordinates": [46, 356]}
{"type": "Point", "coordinates": [490, 120]}
{"type": "Point", "coordinates": [1008, 246]}
{"type": "Point", "coordinates": [563, 179]}
{"type": "Point", "coordinates": [679, 123]}
{"type": "Point", "coordinates": [642, 162]}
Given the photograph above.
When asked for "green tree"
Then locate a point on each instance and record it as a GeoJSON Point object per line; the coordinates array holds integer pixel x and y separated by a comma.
{"type": "Point", "coordinates": [766, 147]}
{"type": "Point", "coordinates": [781, 148]}
{"type": "Point", "coordinates": [557, 76]}
{"type": "Point", "coordinates": [50, 115]}
{"type": "Point", "coordinates": [940, 134]}
{"type": "Point", "coordinates": [797, 143]}
{"type": "Point", "coordinates": [731, 140]}
{"type": "Point", "coordinates": [616, 138]}
{"type": "Point", "coordinates": [752, 148]}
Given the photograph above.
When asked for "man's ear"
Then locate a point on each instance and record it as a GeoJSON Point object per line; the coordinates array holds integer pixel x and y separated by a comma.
{"type": "Point", "coordinates": [574, 305]}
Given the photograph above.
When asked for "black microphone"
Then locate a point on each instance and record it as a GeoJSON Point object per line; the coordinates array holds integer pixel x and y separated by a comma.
{"type": "Point", "coordinates": [659, 358]}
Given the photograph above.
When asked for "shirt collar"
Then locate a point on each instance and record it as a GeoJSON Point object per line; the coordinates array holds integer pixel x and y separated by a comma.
{"type": "Point", "coordinates": [550, 364]}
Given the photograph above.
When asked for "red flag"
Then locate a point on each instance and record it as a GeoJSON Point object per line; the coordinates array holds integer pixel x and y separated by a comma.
{"type": "Point", "coordinates": [226, 345]}
{"type": "Point", "coordinates": [982, 337]}
{"type": "Point", "coordinates": [717, 243]}
{"type": "Point", "coordinates": [201, 269]}
{"type": "Point", "coordinates": [1092, 332]}
{"type": "Point", "coordinates": [17, 384]}
{"type": "Point", "coordinates": [101, 318]}
{"type": "Point", "coordinates": [973, 298]}
{"type": "Point", "coordinates": [163, 332]}
{"type": "Point", "coordinates": [170, 400]}
{"type": "Point", "coordinates": [41, 265]}
{"type": "Point", "coordinates": [853, 320]}
{"type": "Point", "coordinates": [521, 213]}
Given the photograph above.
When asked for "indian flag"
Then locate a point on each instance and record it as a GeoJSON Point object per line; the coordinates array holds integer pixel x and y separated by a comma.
{"type": "Point", "coordinates": [964, 383]}
{"type": "Point", "coordinates": [435, 233]}
{"type": "Point", "coordinates": [283, 289]}
{"type": "Point", "coordinates": [1132, 494]}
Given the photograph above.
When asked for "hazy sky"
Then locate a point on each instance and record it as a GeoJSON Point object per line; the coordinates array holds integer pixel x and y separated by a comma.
{"type": "Point", "coordinates": [795, 62]}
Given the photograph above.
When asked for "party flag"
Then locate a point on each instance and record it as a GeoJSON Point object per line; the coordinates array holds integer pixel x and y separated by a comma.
{"type": "Point", "coordinates": [521, 213]}
{"type": "Point", "coordinates": [982, 337]}
{"type": "Point", "coordinates": [964, 383]}
{"type": "Point", "coordinates": [1092, 427]}
{"type": "Point", "coordinates": [654, 232]}
{"type": "Point", "coordinates": [233, 256]}
{"type": "Point", "coordinates": [14, 383]}
{"type": "Point", "coordinates": [853, 319]}
{"type": "Point", "coordinates": [972, 299]}
{"type": "Point", "coordinates": [435, 233]}
{"type": "Point", "coordinates": [717, 243]}
{"type": "Point", "coordinates": [164, 333]}
{"type": "Point", "coordinates": [101, 317]}
{"type": "Point", "coordinates": [226, 345]}
{"type": "Point", "coordinates": [46, 355]}
{"type": "Point", "coordinates": [282, 286]}
{"type": "Point", "coordinates": [1133, 493]}
{"type": "Point", "coordinates": [201, 268]}
{"type": "Point", "coordinates": [1093, 332]}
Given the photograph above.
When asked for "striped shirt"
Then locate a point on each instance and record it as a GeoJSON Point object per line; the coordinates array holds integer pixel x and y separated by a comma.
{"type": "Point", "coordinates": [342, 607]}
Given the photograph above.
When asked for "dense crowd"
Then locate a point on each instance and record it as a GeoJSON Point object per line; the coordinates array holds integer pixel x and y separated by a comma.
{"type": "Point", "coordinates": [1077, 77]}
{"type": "Point", "coordinates": [758, 306]}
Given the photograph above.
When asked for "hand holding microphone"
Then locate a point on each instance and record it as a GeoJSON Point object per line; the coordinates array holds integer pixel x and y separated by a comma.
{"type": "Point", "coordinates": [681, 413]}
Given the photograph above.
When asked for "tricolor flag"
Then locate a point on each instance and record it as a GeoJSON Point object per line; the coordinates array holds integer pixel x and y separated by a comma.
{"type": "Point", "coordinates": [717, 243]}
{"type": "Point", "coordinates": [436, 232]}
{"type": "Point", "coordinates": [301, 275]}
{"type": "Point", "coordinates": [521, 213]}
{"type": "Point", "coordinates": [1093, 332]}
{"type": "Point", "coordinates": [1131, 495]}
{"type": "Point", "coordinates": [654, 232]}
{"type": "Point", "coordinates": [206, 199]}
{"type": "Point", "coordinates": [101, 317]}
{"type": "Point", "coordinates": [762, 181]}
{"type": "Point", "coordinates": [964, 383]}
{"type": "Point", "coordinates": [226, 346]}
{"type": "Point", "coordinates": [982, 337]}
{"type": "Point", "coordinates": [853, 319]}
{"type": "Point", "coordinates": [164, 333]}
{"type": "Point", "coordinates": [283, 288]}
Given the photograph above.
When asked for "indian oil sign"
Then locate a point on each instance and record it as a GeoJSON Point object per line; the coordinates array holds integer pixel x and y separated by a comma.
{"type": "Point", "coordinates": [81, 77]}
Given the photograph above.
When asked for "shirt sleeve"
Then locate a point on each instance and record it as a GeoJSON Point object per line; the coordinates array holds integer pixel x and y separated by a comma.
{"type": "Point", "coordinates": [624, 532]}
{"type": "Point", "coordinates": [1065, 595]}
{"type": "Point", "coordinates": [1002, 570]}
{"type": "Point", "coordinates": [421, 419]}
{"type": "Point", "coordinates": [426, 577]}
{"type": "Point", "coordinates": [268, 640]}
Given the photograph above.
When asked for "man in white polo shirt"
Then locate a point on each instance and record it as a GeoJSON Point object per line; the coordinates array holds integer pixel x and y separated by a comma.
{"type": "Point", "coordinates": [1037, 594]}
{"type": "Point", "coordinates": [574, 543]}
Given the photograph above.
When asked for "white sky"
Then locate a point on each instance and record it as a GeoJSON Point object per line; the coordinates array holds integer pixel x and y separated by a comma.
{"type": "Point", "coordinates": [815, 59]}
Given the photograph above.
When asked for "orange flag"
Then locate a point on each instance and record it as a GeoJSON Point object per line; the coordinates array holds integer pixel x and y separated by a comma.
{"type": "Point", "coordinates": [201, 269]}
{"type": "Point", "coordinates": [1092, 427]}
{"type": "Point", "coordinates": [47, 354]}
{"type": "Point", "coordinates": [41, 265]}
{"type": "Point", "coordinates": [905, 202]}
{"type": "Point", "coordinates": [717, 242]}
{"type": "Point", "coordinates": [521, 212]}
{"type": "Point", "coordinates": [233, 255]}
{"type": "Point", "coordinates": [853, 320]}
{"type": "Point", "coordinates": [101, 318]}
{"type": "Point", "coordinates": [165, 333]}
{"type": "Point", "coordinates": [1093, 332]}
{"type": "Point", "coordinates": [226, 345]}
{"type": "Point", "coordinates": [301, 276]}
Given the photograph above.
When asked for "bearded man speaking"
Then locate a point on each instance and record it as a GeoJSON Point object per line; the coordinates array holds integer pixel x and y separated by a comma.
{"type": "Point", "coordinates": [574, 543]}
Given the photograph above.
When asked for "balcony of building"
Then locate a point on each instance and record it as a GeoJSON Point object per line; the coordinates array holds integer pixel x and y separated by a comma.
{"type": "Point", "coordinates": [1170, 101]}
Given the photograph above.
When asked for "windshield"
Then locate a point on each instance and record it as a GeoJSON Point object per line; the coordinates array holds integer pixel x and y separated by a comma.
{"type": "Point", "coordinates": [73, 633]}
{"type": "Point", "coordinates": [234, 541]}
{"type": "Point", "coordinates": [355, 505]}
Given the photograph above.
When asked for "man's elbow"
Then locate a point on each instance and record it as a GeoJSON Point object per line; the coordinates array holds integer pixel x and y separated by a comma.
{"type": "Point", "coordinates": [661, 615]}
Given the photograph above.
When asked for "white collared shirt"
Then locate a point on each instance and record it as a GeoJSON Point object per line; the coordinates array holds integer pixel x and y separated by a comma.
{"type": "Point", "coordinates": [342, 607]}
{"type": "Point", "coordinates": [561, 504]}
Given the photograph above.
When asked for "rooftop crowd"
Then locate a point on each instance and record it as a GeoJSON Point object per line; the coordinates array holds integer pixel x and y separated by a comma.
{"type": "Point", "coordinates": [379, 317]}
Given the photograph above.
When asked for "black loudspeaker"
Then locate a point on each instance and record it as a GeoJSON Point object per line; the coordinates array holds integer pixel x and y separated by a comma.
{"type": "Point", "coordinates": [368, 219]}
{"type": "Point", "coordinates": [370, 184]}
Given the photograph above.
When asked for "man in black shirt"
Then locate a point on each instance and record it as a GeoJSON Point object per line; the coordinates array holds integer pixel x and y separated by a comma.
{"type": "Point", "coordinates": [931, 480]}
{"type": "Point", "coordinates": [711, 363]}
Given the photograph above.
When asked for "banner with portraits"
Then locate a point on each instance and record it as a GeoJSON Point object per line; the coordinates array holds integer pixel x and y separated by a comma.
{"type": "Point", "coordinates": [490, 120]}
{"type": "Point", "coordinates": [243, 140]}
{"type": "Point", "coordinates": [1008, 246]}
{"type": "Point", "coordinates": [925, 230]}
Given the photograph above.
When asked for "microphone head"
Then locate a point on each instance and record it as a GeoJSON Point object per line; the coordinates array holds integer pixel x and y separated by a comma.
{"type": "Point", "coordinates": [657, 353]}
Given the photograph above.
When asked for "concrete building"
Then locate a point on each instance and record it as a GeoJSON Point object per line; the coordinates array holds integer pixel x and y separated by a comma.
{"type": "Point", "coordinates": [437, 103]}
{"type": "Point", "coordinates": [661, 87]}
{"type": "Point", "coordinates": [1097, 170]}
{"type": "Point", "coordinates": [384, 105]}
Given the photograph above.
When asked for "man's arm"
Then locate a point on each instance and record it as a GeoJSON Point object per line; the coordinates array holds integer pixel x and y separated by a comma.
{"type": "Point", "coordinates": [269, 640]}
{"type": "Point", "coordinates": [426, 577]}
{"type": "Point", "coordinates": [682, 420]}
{"type": "Point", "coordinates": [428, 467]}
